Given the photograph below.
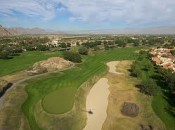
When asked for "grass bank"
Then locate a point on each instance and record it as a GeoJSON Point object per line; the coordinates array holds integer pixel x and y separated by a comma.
{"type": "Point", "coordinates": [23, 61]}
{"type": "Point", "coordinates": [160, 106]}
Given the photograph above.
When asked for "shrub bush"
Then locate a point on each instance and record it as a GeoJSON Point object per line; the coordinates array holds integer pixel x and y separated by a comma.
{"type": "Point", "coordinates": [72, 56]}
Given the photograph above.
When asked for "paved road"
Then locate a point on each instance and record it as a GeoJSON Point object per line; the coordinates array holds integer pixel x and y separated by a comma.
{"type": "Point", "coordinates": [16, 83]}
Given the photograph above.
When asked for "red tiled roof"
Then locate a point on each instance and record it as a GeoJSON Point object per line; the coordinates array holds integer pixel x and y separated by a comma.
{"type": "Point", "coordinates": [153, 52]}
{"type": "Point", "coordinates": [157, 60]}
{"type": "Point", "coordinates": [168, 65]}
{"type": "Point", "coordinates": [171, 57]}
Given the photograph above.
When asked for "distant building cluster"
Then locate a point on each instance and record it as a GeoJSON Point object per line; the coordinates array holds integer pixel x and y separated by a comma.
{"type": "Point", "coordinates": [163, 57]}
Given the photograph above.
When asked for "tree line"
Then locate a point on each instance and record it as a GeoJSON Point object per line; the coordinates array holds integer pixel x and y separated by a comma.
{"type": "Point", "coordinates": [154, 79]}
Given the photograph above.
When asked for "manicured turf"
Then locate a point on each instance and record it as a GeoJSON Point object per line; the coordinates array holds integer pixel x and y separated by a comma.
{"type": "Point", "coordinates": [92, 65]}
{"type": "Point", "coordinates": [23, 61]}
{"type": "Point", "coordinates": [59, 101]}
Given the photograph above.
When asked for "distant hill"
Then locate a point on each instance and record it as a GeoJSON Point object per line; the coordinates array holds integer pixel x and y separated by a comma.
{"type": "Point", "coordinates": [148, 30]}
{"type": "Point", "coordinates": [32, 31]}
{"type": "Point", "coordinates": [7, 32]}
{"type": "Point", "coordinates": [4, 32]}
{"type": "Point", "coordinates": [28, 30]}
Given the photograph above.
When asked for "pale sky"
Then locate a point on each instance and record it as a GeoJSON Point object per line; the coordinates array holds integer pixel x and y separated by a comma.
{"type": "Point", "coordinates": [87, 14]}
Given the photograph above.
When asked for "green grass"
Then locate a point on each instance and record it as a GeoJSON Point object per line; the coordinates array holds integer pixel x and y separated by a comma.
{"type": "Point", "coordinates": [92, 65]}
{"type": "Point", "coordinates": [23, 61]}
{"type": "Point", "coordinates": [160, 106]}
{"type": "Point", "coordinates": [59, 101]}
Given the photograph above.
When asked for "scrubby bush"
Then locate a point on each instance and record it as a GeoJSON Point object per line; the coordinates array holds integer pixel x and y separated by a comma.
{"type": "Point", "coordinates": [148, 86]}
{"type": "Point", "coordinates": [72, 56]}
{"type": "Point", "coordinates": [83, 50]}
{"type": "Point", "coordinates": [42, 48]}
{"type": "Point", "coordinates": [4, 54]}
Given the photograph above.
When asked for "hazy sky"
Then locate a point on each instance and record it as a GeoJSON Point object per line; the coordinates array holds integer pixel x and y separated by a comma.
{"type": "Point", "coordinates": [87, 14]}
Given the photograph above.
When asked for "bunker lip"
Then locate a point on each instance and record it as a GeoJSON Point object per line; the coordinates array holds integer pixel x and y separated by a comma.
{"type": "Point", "coordinates": [97, 101]}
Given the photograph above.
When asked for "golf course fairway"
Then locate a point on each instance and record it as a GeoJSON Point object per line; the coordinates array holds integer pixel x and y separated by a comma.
{"type": "Point", "coordinates": [46, 88]}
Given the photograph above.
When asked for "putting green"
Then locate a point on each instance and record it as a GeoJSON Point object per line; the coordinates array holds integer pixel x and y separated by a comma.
{"type": "Point", "coordinates": [60, 101]}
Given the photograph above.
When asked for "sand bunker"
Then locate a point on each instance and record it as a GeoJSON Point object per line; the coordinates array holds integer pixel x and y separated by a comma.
{"type": "Point", "coordinates": [112, 67]}
{"type": "Point", "coordinates": [97, 101]}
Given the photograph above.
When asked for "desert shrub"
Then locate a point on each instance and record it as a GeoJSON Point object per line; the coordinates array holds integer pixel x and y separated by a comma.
{"type": "Point", "coordinates": [83, 50]}
{"type": "Point", "coordinates": [148, 86]}
{"type": "Point", "coordinates": [72, 56]}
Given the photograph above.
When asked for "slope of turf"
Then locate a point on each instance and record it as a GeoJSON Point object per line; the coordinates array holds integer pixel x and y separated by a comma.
{"type": "Point", "coordinates": [23, 61]}
{"type": "Point", "coordinates": [92, 65]}
{"type": "Point", "coordinates": [160, 106]}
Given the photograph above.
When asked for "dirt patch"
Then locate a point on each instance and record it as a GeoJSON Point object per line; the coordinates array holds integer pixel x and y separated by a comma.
{"type": "Point", "coordinates": [50, 65]}
{"type": "Point", "coordinates": [112, 67]}
{"type": "Point", "coordinates": [130, 109]}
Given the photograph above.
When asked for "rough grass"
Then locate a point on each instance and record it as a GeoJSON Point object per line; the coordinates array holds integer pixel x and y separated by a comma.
{"type": "Point", "coordinates": [122, 89]}
{"type": "Point", "coordinates": [92, 65]}
{"type": "Point", "coordinates": [23, 61]}
{"type": "Point", "coordinates": [11, 115]}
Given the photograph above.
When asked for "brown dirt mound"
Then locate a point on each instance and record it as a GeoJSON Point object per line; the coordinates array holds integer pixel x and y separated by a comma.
{"type": "Point", "coordinates": [130, 109]}
{"type": "Point", "coordinates": [52, 64]}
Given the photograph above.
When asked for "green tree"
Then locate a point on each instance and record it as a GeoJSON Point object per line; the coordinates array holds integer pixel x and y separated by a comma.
{"type": "Point", "coordinates": [63, 45]}
{"type": "Point", "coordinates": [4, 54]}
{"type": "Point", "coordinates": [148, 86]}
{"type": "Point", "coordinates": [72, 56]}
{"type": "Point", "coordinates": [83, 50]}
{"type": "Point", "coordinates": [42, 48]}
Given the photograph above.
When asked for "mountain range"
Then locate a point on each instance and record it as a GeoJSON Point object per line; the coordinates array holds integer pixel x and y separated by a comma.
{"type": "Point", "coordinates": [13, 31]}
{"type": "Point", "coordinates": [6, 32]}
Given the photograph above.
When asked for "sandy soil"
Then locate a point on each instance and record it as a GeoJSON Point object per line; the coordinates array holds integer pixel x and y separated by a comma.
{"type": "Point", "coordinates": [97, 101]}
{"type": "Point", "coordinates": [112, 67]}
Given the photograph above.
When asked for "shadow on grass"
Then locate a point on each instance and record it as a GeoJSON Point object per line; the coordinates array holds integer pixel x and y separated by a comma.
{"type": "Point", "coordinates": [7, 58]}
{"type": "Point", "coordinates": [170, 98]}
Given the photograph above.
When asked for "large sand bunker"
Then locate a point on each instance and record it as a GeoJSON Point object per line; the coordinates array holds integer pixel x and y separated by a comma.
{"type": "Point", "coordinates": [97, 101]}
